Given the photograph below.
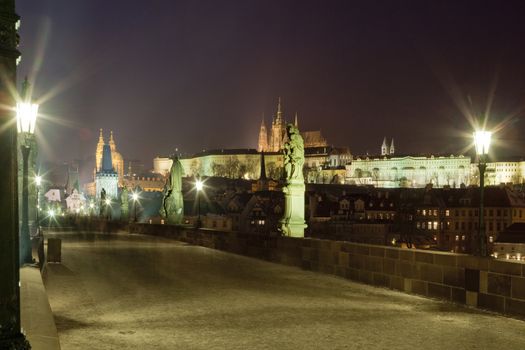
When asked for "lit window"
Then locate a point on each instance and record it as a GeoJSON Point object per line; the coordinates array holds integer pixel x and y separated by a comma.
{"type": "Point", "coordinates": [457, 238]}
{"type": "Point", "coordinates": [418, 225]}
{"type": "Point", "coordinates": [429, 225]}
{"type": "Point", "coordinates": [424, 212]}
{"type": "Point", "coordinates": [447, 212]}
{"type": "Point", "coordinates": [435, 225]}
{"type": "Point", "coordinates": [491, 239]}
{"type": "Point", "coordinates": [463, 237]}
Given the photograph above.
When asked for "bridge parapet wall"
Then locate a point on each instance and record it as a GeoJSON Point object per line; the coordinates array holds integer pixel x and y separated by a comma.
{"type": "Point", "coordinates": [480, 282]}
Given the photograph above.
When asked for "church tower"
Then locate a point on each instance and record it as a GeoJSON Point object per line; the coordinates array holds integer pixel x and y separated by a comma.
{"type": "Point", "coordinates": [106, 178]}
{"type": "Point", "coordinates": [118, 161]}
{"type": "Point", "coordinates": [112, 144]}
{"type": "Point", "coordinates": [263, 138]}
{"type": "Point", "coordinates": [98, 155]}
{"type": "Point", "coordinates": [384, 148]}
{"type": "Point", "coordinates": [392, 149]}
{"type": "Point", "coordinates": [278, 130]}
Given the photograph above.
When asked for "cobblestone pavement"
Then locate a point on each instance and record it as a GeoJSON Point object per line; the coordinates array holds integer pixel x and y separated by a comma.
{"type": "Point", "coordinates": [137, 292]}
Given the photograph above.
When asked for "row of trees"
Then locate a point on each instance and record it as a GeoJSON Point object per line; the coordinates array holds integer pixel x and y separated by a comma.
{"type": "Point", "coordinates": [233, 168]}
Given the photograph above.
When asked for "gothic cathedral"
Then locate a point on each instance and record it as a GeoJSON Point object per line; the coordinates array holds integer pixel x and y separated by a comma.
{"type": "Point", "coordinates": [275, 141]}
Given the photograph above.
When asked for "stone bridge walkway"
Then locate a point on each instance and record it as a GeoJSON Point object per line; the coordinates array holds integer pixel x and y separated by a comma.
{"type": "Point", "coordinates": [138, 292]}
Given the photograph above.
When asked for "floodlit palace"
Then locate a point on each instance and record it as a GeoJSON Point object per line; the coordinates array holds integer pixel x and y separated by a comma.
{"type": "Point", "coordinates": [328, 164]}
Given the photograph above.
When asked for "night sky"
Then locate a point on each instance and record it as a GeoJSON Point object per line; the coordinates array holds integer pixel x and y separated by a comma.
{"type": "Point", "coordinates": [200, 74]}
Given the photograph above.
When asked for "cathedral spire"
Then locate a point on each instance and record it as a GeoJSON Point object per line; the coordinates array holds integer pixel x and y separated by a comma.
{"type": "Point", "coordinates": [279, 116]}
{"type": "Point", "coordinates": [384, 148]}
{"type": "Point", "coordinates": [112, 144]}
{"type": "Point", "coordinates": [98, 154]}
{"type": "Point", "coordinates": [296, 122]}
{"type": "Point", "coordinates": [392, 149]}
{"type": "Point", "coordinates": [263, 137]}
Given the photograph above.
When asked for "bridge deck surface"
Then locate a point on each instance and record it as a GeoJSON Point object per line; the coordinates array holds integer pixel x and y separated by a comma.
{"type": "Point", "coordinates": [138, 292]}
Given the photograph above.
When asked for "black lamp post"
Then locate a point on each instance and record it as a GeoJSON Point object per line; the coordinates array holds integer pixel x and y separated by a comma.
{"type": "Point", "coordinates": [11, 336]}
{"type": "Point", "coordinates": [26, 115]}
{"type": "Point", "coordinates": [482, 143]}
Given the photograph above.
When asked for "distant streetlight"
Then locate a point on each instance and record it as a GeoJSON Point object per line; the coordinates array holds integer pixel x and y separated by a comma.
{"type": "Point", "coordinates": [482, 140]}
{"type": "Point", "coordinates": [26, 115]}
{"type": "Point", "coordinates": [199, 185]}
{"type": "Point", "coordinates": [135, 197]}
{"type": "Point", "coordinates": [108, 208]}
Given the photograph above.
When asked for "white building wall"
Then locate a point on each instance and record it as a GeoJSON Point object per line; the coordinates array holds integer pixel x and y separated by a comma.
{"type": "Point", "coordinates": [409, 171]}
{"type": "Point", "coordinates": [109, 182]}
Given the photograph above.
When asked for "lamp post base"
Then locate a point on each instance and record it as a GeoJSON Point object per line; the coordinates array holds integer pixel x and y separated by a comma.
{"type": "Point", "coordinates": [18, 342]}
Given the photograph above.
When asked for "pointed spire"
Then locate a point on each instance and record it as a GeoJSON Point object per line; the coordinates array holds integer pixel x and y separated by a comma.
{"type": "Point", "coordinates": [107, 162]}
{"type": "Point", "coordinates": [263, 167]}
{"type": "Point", "coordinates": [392, 148]}
{"type": "Point", "coordinates": [263, 137]}
{"type": "Point", "coordinates": [101, 137]}
{"type": "Point", "coordinates": [296, 122]}
{"type": "Point", "coordinates": [279, 116]}
{"type": "Point", "coordinates": [112, 144]}
{"type": "Point", "coordinates": [384, 148]}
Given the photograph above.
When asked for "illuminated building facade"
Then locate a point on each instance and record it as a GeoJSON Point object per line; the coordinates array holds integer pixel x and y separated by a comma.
{"type": "Point", "coordinates": [409, 171]}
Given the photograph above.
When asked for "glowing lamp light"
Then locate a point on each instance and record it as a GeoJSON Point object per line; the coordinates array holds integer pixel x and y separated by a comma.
{"type": "Point", "coordinates": [91, 205]}
{"type": "Point", "coordinates": [482, 141]}
{"type": "Point", "coordinates": [26, 114]}
{"type": "Point", "coordinates": [135, 196]}
{"type": "Point", "coordinates": [38, 180]}
{"type": "Point", "coordinates": [51, 213]}
{"type": "Point", "coordinates": [199, 185]}
{"type": "Point", "coordinates": [108, 201]}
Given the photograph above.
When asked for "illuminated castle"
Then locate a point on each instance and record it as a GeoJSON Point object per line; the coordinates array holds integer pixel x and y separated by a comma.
{"type": "Point", "coordinates": [275, 141]}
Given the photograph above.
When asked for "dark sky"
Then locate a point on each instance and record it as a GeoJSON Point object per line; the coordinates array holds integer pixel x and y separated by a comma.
{"type": "Point", "coordinates": [199, 74]}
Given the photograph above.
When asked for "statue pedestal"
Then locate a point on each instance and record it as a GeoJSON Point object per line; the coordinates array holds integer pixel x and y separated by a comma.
{"type": "Point", "coordinates": [292, 223]}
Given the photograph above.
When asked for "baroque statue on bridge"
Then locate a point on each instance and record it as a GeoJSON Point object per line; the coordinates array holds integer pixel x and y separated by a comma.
{"type": "Point", "coordinates": [293, 154]}
{"type": "Point", "coordinates": [173, 203]}
{"type": "Point", "coordinates": [292, 222]}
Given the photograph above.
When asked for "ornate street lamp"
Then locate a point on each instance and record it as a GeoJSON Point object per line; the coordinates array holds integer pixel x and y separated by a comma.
{"type": "Point", "coordinates": [199, 186]}
{"type": "Point", "coordinates": [11, 336]}
{"type": "Point", "coordinates": [135, 197]}
{"type": "Point", "coordinates": [26, 115]}
{"type": "Point", "coordinates": [482, 142]}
